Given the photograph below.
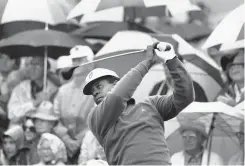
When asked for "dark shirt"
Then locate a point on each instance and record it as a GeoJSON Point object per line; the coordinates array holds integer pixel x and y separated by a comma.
{"type": "Point", "coordinates": [134, 134]}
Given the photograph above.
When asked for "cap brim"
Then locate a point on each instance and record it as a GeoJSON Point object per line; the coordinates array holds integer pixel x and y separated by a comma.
{"type": "Point", "coordinates": [194, 128]}
{"type": "Point", "coordinates": [87, 88]}
{"type": "Point", "coordinates": [45, 117]}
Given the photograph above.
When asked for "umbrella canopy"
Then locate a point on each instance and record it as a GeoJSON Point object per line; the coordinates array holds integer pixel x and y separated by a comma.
{"type": "Point", "coordinates": [12, 28]}
{"type": "Point", "coordinates": [141, 7]}
{"type": "Point", "coordinates": [229, 34]}
{"type": "Point", "coordinates": [105, 30]}
{"type": "Point", "coordinates": [51, 12]}
{"type": "Point", "coordinates": [188, 31]}
{"type": "Point", "coordinates": [58, 43]}
{"type": "Point", "coordinates": [226, 123]}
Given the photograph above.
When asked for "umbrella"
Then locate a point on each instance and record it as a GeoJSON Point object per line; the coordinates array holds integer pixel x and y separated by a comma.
{"type": "Point", "coordinates": [46, 11]}
{"type": "Point", "coordinates": [11, 28]}
{"type": "Point", "coordinates": [50, 43]}
{"type": "Point", "coordinates": [221, 123]}
{"type": "Point", "coordinates": [51, 12]}
{"type": "Point", "coordinates": [188, 31]}
{"type": "Point", "coordinates": [35, 40]}
{"type": "Point", "coordinates": [229, 34]}
{"type": "Point", "coordinates": [140, 8]}
{"type": "Point", "coordinates": [105, 30]}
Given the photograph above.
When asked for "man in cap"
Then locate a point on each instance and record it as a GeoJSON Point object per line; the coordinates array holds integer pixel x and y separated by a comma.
{"type": "Point", "coordinates": [44, 118]}
{"type": "Point", "coordinates": [134, 133]}
{"type": "Point", "coordinates": [44, 121]}
{"type": "Point", "coordinates": [193, 136]}
{"type": "Point", "coordinates": [71, 105]}
{"type": "Point", "coordinates": [28, 95]}
{"type": "Point", "coordinates": [238, 159]}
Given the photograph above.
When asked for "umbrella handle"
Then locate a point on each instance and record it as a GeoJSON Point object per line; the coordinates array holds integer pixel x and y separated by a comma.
{"type": "Point", "coordinates": [45, 74]}
{"type": "Point", "coordinates": [210, 137]}
{"type": "Point", "coordinates": [45, 70]}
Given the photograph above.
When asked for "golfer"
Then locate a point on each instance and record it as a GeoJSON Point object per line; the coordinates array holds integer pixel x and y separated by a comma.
{"type": "Point", "coordinates": [133, 134]}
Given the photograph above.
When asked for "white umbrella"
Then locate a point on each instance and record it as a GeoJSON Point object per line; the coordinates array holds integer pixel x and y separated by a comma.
{"type": "Point", "coordinates": [173, 6]}
{"type": "Point", "coordinates": [229, 34]}
{"type": "Point", "coordinates": [221, 122]}
{"type": "Point", "coordinates": [46, 11]}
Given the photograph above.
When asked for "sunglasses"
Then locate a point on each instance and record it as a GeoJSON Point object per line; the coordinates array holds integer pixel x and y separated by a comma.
{"type": "Point", "coordinates": [31, 128]}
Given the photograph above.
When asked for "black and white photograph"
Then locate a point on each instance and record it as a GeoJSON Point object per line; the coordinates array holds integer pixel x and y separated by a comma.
{"type": "Point", "coordinates": [122, 82]}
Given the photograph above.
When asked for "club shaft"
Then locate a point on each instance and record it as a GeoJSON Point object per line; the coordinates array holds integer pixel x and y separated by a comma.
{"type": "Point", "coordinates": [119, 55]}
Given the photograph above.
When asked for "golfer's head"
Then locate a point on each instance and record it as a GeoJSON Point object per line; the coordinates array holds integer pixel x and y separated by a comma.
{"type": "Point", "coordinates": [99, 82]}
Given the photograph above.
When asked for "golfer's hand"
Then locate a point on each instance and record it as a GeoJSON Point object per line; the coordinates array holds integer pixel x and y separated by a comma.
{"type": "Point", "coordinates": [164, 51]}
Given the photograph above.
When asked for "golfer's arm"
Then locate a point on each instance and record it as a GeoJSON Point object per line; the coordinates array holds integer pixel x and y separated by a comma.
{"type": "Point", "coordinates": [126, 87]}
{"type": "Point", "coordinates": [107, 112]}
{"type": "Point", "coordinates": [170, 106]}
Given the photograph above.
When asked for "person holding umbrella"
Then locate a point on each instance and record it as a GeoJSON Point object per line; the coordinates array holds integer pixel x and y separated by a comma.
{"type": "Point", "coordinates": [71, 106]}
{"type": "Point", "coordinates": [194, 136]}
{"type": "Point", "coordinates": [29, 93]}
{"type": "Point", "coordinates": [134, 133]}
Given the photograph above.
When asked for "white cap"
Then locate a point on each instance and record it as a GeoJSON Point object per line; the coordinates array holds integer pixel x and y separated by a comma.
{"type": "Point", "coordinates": [64, 62]}
{"type": "Point", "coordinates": [96, 74]}
{"type": "Point", "coordinates": [80, 51]}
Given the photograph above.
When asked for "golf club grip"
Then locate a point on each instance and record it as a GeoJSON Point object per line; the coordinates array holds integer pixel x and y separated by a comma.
{"type": "Point", "coordinates": [168, 47]}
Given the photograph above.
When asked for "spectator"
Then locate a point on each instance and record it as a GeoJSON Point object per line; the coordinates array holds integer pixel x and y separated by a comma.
{"type": "Point", "coordinates": [44, 118]}
{"type": "Point", "coordinates": [238, 159]}
{"type": "Point", "coordinates": [10, 76]}
{"type": "Point", "coordinates": [51, 150]}
{"type": "Point", "coordinates": [194, 136]}
{"type": "Point", "coordinates": [166, 86]}
{"type": "Point", "coordinates": [30, 140]}
{"type": "Point", "coordinates": [72, 106]}
{"type": "Point", "coordinates": [13, 152]}
{"type": "Point", "coordinates": [90, 149]}
{"type": "Point", "coordinates": [234, 68]}
{"type": "Point", "coordinates": [29, 93]}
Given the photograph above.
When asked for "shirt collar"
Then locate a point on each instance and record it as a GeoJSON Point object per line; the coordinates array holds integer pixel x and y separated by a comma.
{"type": "Point", "coordinates": [199, 154]}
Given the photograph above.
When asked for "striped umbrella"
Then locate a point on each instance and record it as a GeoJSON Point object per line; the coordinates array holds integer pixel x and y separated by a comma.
{"type": "Point", "coordinates": [229, 34]}
{"type": "Point", "coordinates": [221, 123]}
{"type": "Point", "coordinates": [201, 68]}
{"type": "Point", "coordinates": [134, 9]}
